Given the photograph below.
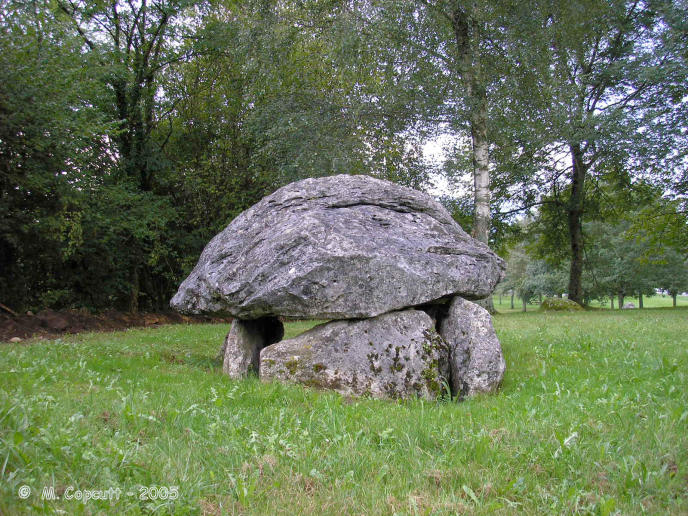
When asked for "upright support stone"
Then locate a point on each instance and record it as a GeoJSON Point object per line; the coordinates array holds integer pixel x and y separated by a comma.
{"type": "Point", "coordinates": [244, 342]}
{"type": "Point", "coordinates": [475, 355]}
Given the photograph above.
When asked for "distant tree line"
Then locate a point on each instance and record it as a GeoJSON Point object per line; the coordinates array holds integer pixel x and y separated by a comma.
{"type": "Point", "coordinates": [132, 132]}
{"type": "Point", "coordinates": [626, 254]}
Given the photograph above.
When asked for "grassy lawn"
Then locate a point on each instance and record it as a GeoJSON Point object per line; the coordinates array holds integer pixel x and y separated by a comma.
{"type": "Point", "coordinates": [592, 418]}
{"type": "Point", "coordinates": [503, 303]}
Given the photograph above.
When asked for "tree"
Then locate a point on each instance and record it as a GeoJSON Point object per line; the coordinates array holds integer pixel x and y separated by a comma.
{"type": "Point", "coordinates": [51, 149]}
{"type": "Point", "coordinates": [135, 45]}
{"type": "Point", "coordinates": [451, 57]}
{"type": "Point", "coordinates": [271, 96]}
{"type": "Point", "coordinates": [617, 263]}
{"type": "Point", "coordinates": [601, 101]}
{"type": "Point", "coordinates": [133, 131]}
{"type": "Point", "coordinates": [672, 274]}
{"type": "Point", "coordinates": [448, 56]}
{"type": "Point", "coordinates": [517, 278]}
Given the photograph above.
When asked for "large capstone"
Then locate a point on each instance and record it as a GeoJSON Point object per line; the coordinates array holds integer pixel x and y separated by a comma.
{"type": "Point", "coordinates": [336, 248]}
{"type": "Point", "coordinates": [395, 355]}
{"type": "Point", "coordinates": [245, 340]}
{"type": "Point", "coordinates": [475, 355]}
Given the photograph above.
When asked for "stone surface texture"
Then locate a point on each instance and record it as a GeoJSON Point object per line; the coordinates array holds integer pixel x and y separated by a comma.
{"type": "Point", "coordinates": [395, 355]}
{"type": "Point", "coordinates": [476, 362]}
{"type": "Point", "coordinates": [245, 340]}
{"type": "Point", "coordinates": [338, 247]}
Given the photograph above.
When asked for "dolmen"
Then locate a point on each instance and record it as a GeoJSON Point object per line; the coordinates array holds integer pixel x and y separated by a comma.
{"type": "Point", "coordinates": [386, 265]}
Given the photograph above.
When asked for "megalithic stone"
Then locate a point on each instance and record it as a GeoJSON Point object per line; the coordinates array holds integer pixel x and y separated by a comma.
{"type": "Point", "coordinates": [476, 361]}
{"type": "Point", "coordinates": [395, 355]}
{"type": "Point", "coordinates": [244, 342]}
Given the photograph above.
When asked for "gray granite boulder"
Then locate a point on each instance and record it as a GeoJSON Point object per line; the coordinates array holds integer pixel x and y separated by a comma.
{"type": "Point", "coordinates": [241, 350]}
{"type": "Point", "coordinates": [395, 355]}
{"type": "Point", "coordinates": [475, 356]}
{"type": "Point", "coordinates": [337, 248]}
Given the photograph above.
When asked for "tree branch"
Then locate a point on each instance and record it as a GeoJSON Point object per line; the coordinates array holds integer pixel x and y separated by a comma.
{"type": "Point", "coordinates": [529, 206]}
{"type": "Point", "coordinates": [72, 16]}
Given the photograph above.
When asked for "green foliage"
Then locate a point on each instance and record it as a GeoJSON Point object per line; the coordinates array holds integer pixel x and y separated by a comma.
{"type": "Point", "coordinates": [558, 304]}
{"type": "Point", "coordinates": [616, 262]}
{"type": "Point", "coordinates": [630, 236]}
{"type": "Point", "coordinates": [672, 273]}
{"type": "Point", "coordinates": [133, 132]}
{"type": "Point", "coordinates": [601, 96]}
{"type": "Point", "coordinates": [592, 410]}
{"type": "Point", "coordinates": [51, 140]}
{"type": "Point", "coordinates": [529, 277]}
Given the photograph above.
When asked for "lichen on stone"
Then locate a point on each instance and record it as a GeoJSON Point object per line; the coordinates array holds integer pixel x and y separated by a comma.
{"type": "Point", "coordinates": [432, 379]}
{"type": "Point", "coordinates": [292, 365]}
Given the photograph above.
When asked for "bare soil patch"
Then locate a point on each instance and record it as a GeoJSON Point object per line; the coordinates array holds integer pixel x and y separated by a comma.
{"type": "Point", "coordinates": [52, 323]}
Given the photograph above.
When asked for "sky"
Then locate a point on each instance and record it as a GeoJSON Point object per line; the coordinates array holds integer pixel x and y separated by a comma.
{"type": "Point", "coordinates": [435, 153]}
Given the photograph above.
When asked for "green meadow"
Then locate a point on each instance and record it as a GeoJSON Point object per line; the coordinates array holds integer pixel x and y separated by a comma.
{"type": "Point", "coordinates": [592, 418]}
{"type": "Point", "coordinates": [503, 303]}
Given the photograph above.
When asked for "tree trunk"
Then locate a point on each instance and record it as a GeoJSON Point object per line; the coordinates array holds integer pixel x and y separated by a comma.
{"type": "Point", "coordinates": [611, 298]}
{"type": "Point", "coordinates": [525, 303]}
{"type": "Point", "coordinates": [512, 299]}
{"type": "Point", "coordinates": [621, 298]}
{"type": "Point", "coordinates": [134, 292]}
{"type": "Point", "coordinates": [673, 297]}
{"type": "Point", "coordinates": [481, 171]}
{"type": "Point", "coordinates": [466, 34]}
{"type": "Point", "coordinates": [640, 299]}
{"type": "Point", "coordinates": [575, 219]}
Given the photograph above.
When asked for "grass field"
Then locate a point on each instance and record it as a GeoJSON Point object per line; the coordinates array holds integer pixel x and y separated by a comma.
{"type": "Point", "coordinates": [503, 303]}
{"type": "Point", "coordinates": [592, 418]}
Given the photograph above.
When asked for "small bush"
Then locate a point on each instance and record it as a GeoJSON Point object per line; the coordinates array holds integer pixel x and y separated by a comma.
{"type": "Point", "coordinates": [557, 304]}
